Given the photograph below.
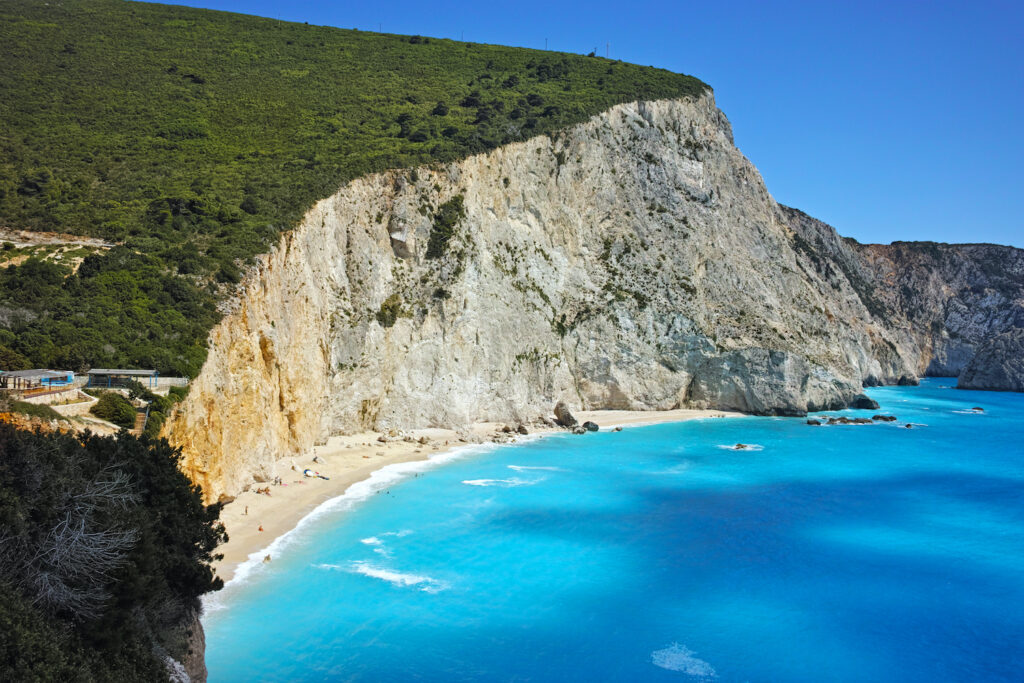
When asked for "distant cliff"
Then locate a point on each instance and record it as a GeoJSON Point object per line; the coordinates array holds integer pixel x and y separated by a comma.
{"type": "Point", "coordinates": [940, 302]}
{"type": "Point", "coordinates": [998, 365]}
{"type": "Point", "coordinates": [633, 261]}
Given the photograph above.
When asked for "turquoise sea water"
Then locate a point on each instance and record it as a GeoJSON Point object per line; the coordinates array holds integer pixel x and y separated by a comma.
{"type": "Point", "coordinates": [844, 553]}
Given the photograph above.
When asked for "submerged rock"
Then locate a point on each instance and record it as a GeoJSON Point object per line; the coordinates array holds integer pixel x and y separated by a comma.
{"type": "Point", "coordinates": [812, 421]}
{"type": "Point", "coordinates": [883, 418]}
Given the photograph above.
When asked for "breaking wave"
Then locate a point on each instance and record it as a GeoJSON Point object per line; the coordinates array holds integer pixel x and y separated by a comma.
{"type": "Point", "coordinates": [506, 483]}
{"type": "Point", "coordinates": [424, 583]}
{"type": "Point", "coordinates": [525, 468]}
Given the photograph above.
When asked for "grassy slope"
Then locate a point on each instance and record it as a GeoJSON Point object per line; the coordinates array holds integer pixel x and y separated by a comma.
{"type": "Point", "coordinates": [194, 137]}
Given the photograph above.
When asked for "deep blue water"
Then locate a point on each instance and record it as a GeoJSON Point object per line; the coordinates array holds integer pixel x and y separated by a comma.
{"type": "Point", "coordinates": [845, 553]}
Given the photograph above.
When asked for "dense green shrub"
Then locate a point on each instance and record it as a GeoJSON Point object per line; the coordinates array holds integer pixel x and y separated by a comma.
{"type": "Point", "coordinates": [389, 311]}
{"type": "Point", "coordinates": [92, 615]}
{"type": "Point", "coordinates": [177, 393]}
{"type": "Point", "coordinates": [113, 407]}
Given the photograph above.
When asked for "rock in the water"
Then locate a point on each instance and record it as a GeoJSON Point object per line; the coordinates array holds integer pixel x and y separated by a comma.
{"type": "Point", "coordinates": [883, 418]}
{"type": "Point", "coordinates": [814, 422]}
{"type": "Point", "coordinates": [590, 426]}
{"type": "Point", "coordinates": [907, 381]}
{"type": "Point", "coordinates": [864, 402]}
{"type": "Point", "coordinates": [998, 365]}
{"type": "Point", "coordinates": [978, 409]}
{"type": "Point", "coordinates": [563, 416]}
{"type": "Point", "coordinates": [617, 429]}
{"type": "Point", "coordinates": [843, 420]}
{"type": "Point", "coordinates": [578, 429]}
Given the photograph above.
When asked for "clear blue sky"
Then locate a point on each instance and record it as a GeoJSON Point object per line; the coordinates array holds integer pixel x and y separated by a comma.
{"type": "Point", "coordinates": [889, 120]}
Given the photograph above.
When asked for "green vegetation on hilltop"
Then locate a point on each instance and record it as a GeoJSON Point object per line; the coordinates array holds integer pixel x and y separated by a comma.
{"type": "Point", "coordinates": [196, 137]}
{"type": "Point", "coordinates": [106, 550]}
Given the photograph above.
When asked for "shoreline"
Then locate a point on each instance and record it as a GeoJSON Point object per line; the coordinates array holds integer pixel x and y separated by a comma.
{"type": "Point", "coordinates": [353, 459]}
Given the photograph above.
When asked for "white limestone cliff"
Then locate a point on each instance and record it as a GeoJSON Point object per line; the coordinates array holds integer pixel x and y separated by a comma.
{"type": "Point", "coordinates": [634, 261]}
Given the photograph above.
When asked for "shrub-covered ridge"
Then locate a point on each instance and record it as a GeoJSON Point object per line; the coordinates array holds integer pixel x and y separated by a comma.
{"type": "Point", "coordinates": [195, 137]}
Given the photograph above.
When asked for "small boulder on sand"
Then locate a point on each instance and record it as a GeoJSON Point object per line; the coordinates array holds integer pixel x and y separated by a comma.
{"type": "Point", "coordinates": [563, 416]}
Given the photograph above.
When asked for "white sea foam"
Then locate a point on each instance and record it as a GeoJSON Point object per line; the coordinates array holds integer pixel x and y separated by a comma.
{"type": "Point", "coordinates": [677, 469]}
{"type": "Point", "coordinates": [372, 540]}
{"type": "Point", "coordinates": [680, 658]}
{"type": "Point", "coordinates": [426, 584]}
{"type": "Point", "coordinates": [525, 468]}
{"type": "Point", "coordinates": [353, 495]}
{"type": "Point", "coordinates": [506, 483]}
{"type": "Point", "coordinates": [969, 412]}
{"type": "Point", "coordinates": [747, 447]}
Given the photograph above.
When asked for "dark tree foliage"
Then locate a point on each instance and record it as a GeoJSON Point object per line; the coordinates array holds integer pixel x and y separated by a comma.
{"type": "Point", "coordinates": [107, 545]}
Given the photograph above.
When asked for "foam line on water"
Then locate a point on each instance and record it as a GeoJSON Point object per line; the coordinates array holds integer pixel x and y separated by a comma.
{"type": "Point", "coordinates": [427, 584]}
{"type": "Point", "coordinates": [526, 468]}
{"type": "Point", "coordinates": [746, 447]}
{"type": "Point", "coordinates": [506, 483]}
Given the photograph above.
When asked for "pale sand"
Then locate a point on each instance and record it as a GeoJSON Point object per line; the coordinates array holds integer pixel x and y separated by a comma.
{"type": "Point", "coordinates": [350, 459]}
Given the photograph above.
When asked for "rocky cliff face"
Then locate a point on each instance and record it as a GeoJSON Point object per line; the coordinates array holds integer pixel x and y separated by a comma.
{"type": "Point", "coordinates": [634, 261]}
{"type": "Point", "coordinates": [998, 365]}
{"type": "Point", "coordinates": [939, 302]}
{"type": "Point", "coordinates": [950, 298]}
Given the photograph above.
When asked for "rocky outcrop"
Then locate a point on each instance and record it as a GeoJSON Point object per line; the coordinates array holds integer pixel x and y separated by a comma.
{"type": "Point", "coordinates": [998, 365]}
{"type": "Point", "coordinates": [563, 415]}
{"type": "Point", "coordinates": [864, 402]}
{"type": "Point", "coordinates": [186, 643]}
{"type": "Point", "coordinates": [635, 261]}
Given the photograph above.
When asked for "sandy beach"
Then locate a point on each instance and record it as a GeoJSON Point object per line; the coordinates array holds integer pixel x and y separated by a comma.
{"type": "Point", "coordinates": [346, 460]}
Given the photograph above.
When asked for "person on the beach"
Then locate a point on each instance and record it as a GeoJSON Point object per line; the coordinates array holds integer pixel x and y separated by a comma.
{"type": "Point", "coordinates": [246, 510]}
{"type": "Point", "coordinates": [261, 527]}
